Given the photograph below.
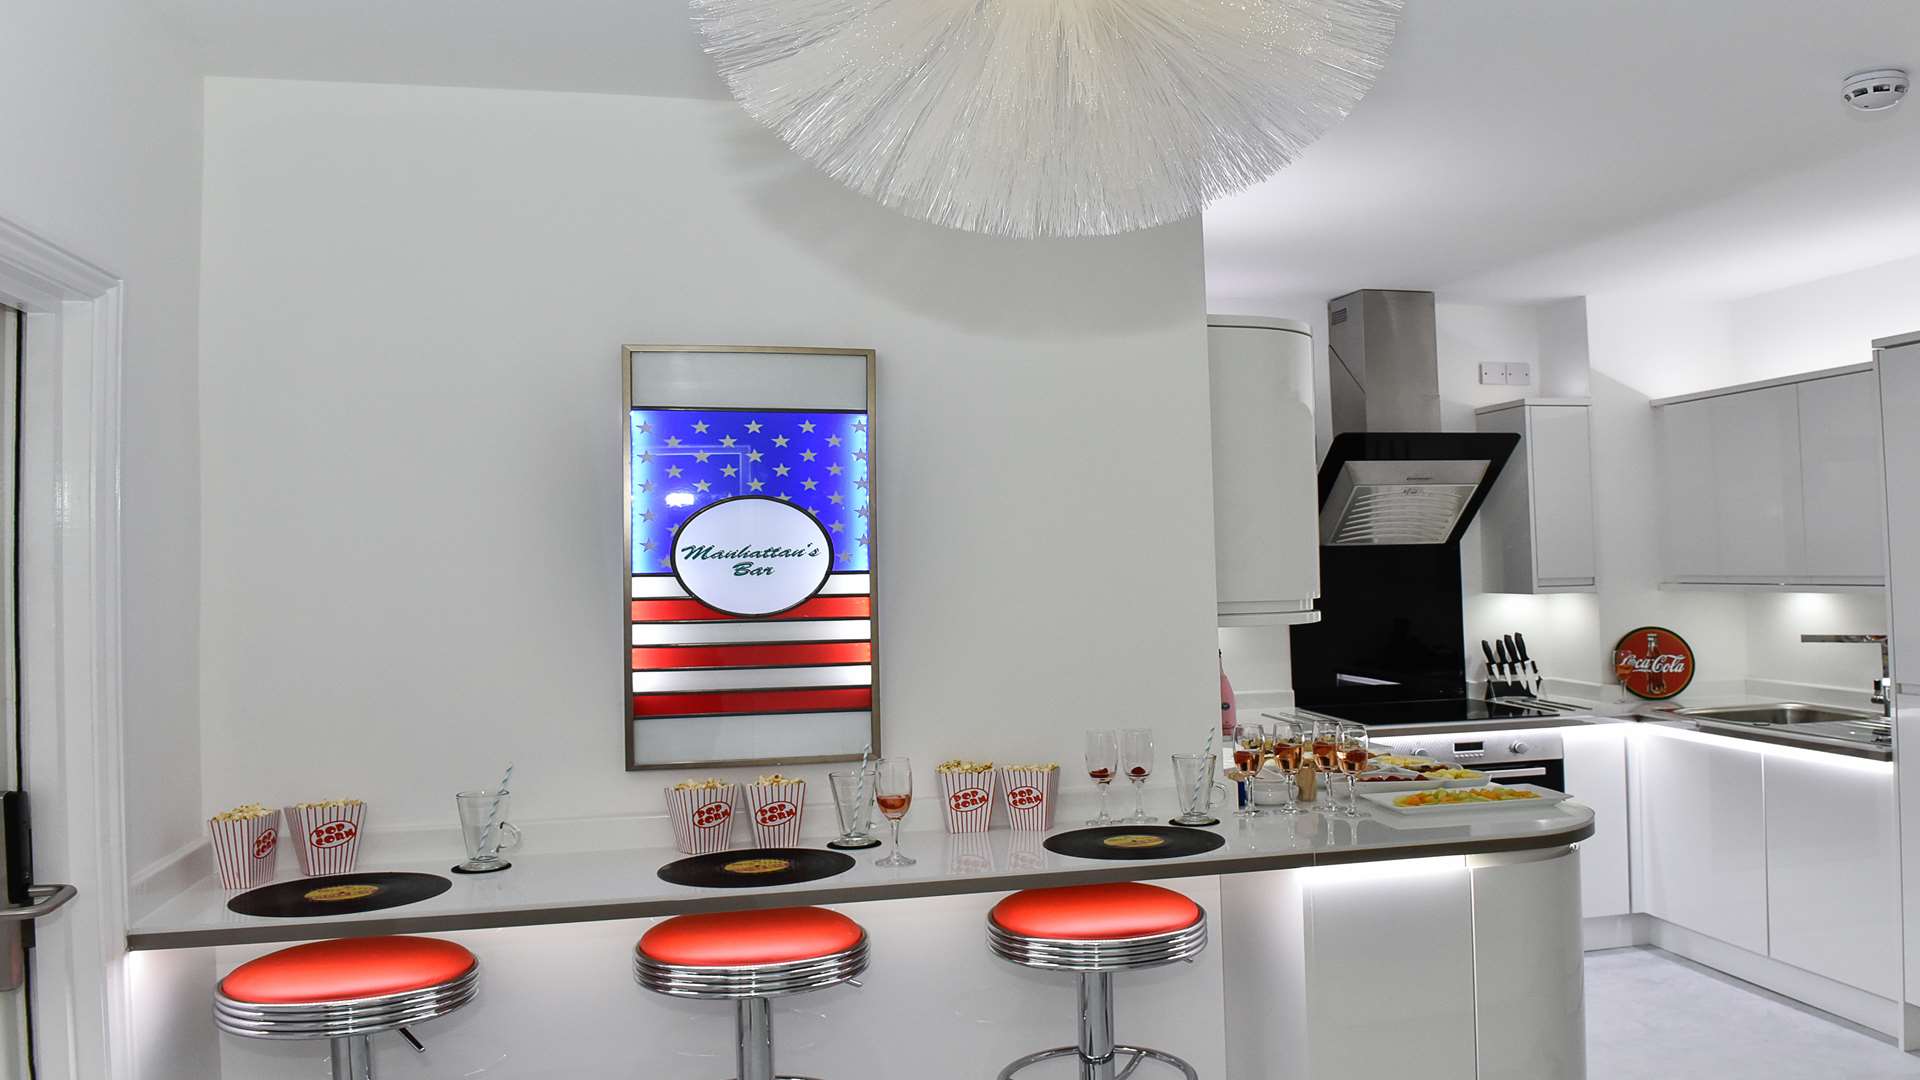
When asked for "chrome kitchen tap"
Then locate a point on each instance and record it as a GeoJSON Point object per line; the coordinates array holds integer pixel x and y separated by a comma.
{"type": "Point", "coordinates": [1882, 686]}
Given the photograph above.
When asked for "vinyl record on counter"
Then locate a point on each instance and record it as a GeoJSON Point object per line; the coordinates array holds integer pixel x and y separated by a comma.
{"type": "Point", "coordinates": [753, 868]}
{"type": "Point", "coordinates": [1134, 842]}
{"type": "Point", "coordinates": [338, 894]}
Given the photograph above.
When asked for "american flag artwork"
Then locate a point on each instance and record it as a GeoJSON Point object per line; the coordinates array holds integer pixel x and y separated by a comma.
{"type": "Point", "coordinates": [690, 660]}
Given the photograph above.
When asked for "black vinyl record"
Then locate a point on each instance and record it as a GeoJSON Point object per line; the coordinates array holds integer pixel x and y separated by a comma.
{"type": "Point", "coordinates": [338, 894]}
{"type": "Point", "coordinates": [752, 868]}
{"type": "Point", "coordinates": [1134, 842]}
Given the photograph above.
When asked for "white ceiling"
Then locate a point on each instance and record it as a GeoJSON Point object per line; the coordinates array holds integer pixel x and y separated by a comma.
{"type": "Point", "coordinates": [1514, 149]}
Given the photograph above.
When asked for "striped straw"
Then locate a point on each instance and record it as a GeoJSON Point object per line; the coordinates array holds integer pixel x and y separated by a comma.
{"type": "Point", "coordinates": [860, 782]}
{"type": "Point", "coordinates": [493, 811]}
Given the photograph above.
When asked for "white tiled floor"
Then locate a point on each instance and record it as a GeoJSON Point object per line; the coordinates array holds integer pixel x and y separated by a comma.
{"type": "Point", "coordinates": [1654, 1016]}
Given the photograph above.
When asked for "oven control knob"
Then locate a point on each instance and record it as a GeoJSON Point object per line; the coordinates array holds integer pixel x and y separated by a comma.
{"type": "Point", "coordinates": [1421, 751]}
{"type": "Point", "coordinates": [1517, 747]}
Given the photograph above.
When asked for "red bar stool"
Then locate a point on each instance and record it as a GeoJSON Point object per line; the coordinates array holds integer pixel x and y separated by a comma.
{"type": "Point", "coordinates": [344, 991]}
{"type": "Point", "coordinates": [748, 957]}
{"type": "Point", "coordinates": [1097, 930]}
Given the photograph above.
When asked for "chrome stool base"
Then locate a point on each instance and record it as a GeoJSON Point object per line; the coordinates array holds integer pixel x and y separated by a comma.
{"type": "Point", "coordinates": [1090, 1069]}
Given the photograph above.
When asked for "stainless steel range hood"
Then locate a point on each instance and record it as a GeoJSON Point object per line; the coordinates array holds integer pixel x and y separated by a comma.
{"type": "Point", "coordinates": [1391, 476]}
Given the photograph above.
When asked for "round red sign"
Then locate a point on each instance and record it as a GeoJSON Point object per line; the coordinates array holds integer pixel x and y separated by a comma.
{"type": "Point", "coordinates": [967, 799]}
{"type": "Point", "coordinates": [1653, 662]}
{"type": "Point", "coordinates": [1025, 797]}
{"type": "Point", "coordinates": [263, 844]}
{"type": "Point", "coordinates": [775, 813]}
{"type": "Point", "coordinates": [332, 834]}
{"type": "Point", "coordinates": [713, 813]}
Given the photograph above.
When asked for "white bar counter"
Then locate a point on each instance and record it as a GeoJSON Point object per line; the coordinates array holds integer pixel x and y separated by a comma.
{"type": "Point", "coordinates": [624, 884]}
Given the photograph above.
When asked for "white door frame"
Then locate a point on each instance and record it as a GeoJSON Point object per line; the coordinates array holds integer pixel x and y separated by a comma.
{"type": "Point", "coordinates": [70, 641]}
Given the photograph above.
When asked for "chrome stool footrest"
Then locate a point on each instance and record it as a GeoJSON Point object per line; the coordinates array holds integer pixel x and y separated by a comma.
{"type": "Point", "coordinates": [1089, 1067]}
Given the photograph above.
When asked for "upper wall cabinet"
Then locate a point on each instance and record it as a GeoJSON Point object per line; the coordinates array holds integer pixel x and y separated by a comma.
{"type": "Point", "coordinates": [1775, 484]}
{"type": "Point", "coordinates": [1266, 496]}
{"type": "Point", "coordinates": [1536, 531]}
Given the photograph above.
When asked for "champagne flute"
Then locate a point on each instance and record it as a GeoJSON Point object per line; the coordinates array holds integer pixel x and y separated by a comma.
{"type": "Point", "coordinates": [1354, 752]}
{"type": "Point", "coordinates": [893, 793]}
{"type": "Point", "coordinates": [1284, 744]}
{"type": "Point", "coordinates": [1249, 753]}
{"type": "Point", "coordinates": [1136, 761]}
{"type": "Point", "coordinates": [1103, 760]}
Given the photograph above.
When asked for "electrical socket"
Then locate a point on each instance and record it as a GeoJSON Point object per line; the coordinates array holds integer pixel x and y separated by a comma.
{"type": "Point", "coordinates": [1506, 374]}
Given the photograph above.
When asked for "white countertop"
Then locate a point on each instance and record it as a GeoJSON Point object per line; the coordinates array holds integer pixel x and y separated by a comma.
{"type": "Point", "coordinates": [623, 884]}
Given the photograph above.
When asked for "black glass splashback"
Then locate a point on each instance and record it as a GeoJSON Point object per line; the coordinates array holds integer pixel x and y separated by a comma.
{"type": "Point", "coordinates": [1391, 628]}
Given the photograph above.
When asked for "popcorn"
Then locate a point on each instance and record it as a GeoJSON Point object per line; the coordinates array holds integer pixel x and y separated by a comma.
{"type": "Point", "coordinates": [330, 804]}
{"type": "Point", "coordinates": [960, 765]}
{"type": "Point", "coordinates": [772, 779]}
{"type": "Point", "coordinates": [244, 812]}
{"type": "Point", "coordinates": [711, 783]}
{"type": "Point", "coordinates": [1053, 766]}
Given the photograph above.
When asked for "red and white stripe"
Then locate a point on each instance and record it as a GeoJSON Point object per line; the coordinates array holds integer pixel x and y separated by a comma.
{"type": "Point", "coordinates": [775, 811]}
{"type": "Point", "coordinates": [690, 660]}
{"type": "Point", "coordinates": [1030, 795]}
{"type": "Point", "coordinates": [244, 850]}
{"type": "Point", "coordinates": [967, 799]}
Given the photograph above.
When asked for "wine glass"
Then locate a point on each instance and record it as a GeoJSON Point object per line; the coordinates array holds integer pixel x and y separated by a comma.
{"type": "Point", "coordinates": [1284, 745]}
{"type": "Point", "coordinates": [1354, 752]}
{"type": "Point", "coordinates": [1136, 761]}
{"type": "Point", "coordinates": [1325, 751]}
{"type": "Point", "coordinates": [1103, 760]}
{"type": "Point", "coordinates": [893, 793]}
{"type": "Point", "coordinates": [1249, 753]}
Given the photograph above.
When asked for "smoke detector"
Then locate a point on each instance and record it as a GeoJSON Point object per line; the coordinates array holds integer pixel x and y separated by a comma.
{"type": "Point", "coordinates": [1873, 91]}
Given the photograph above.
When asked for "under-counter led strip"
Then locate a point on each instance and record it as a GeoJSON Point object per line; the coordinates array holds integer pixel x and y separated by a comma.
{"type": "Point", "coordinates": [1837, 761]}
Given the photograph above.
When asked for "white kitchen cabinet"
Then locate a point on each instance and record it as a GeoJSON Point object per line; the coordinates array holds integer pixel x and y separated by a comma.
{"type": "Point", "coordinates": [1840, 473]}
{"type": "Point", "coordinates": [1774, 484]}
{"type": "Point", "coordinates": [1898, 367]}
{"type": "Point", "coordinates": [1596, 767]}
{"type": "Point", "coordinates": [1833, 870]}
{"type": "Point", "coordinates": [1703, 858]}
{"type": "Point", "coordinates": [1266, 497]}
{"type": "Point", "coordinates": [1536, 527]}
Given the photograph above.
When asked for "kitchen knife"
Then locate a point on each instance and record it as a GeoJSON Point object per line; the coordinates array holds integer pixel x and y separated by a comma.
{"type": "Point", "coordinates": [1521, 644]}
{"type": "Point", "coordinates": [1492, 665]}
{"type": "Point", "coordinates": [1506, 667]}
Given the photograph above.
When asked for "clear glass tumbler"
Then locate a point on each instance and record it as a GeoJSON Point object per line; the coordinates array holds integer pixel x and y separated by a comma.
{"type": "Point", "coordinates": [486, 831]}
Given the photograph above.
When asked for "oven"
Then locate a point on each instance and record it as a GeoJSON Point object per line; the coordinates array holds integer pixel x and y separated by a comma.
{"type": "Point", "coordinates": [1520, 758]}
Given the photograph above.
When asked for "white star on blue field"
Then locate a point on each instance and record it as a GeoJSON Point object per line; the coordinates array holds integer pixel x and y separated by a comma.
{"type": "Point", "coordinates": [684, 459]}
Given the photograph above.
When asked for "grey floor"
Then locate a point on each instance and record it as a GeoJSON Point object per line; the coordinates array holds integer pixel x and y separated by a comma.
{"type": "Point", "coordinates": [1654, 1016]}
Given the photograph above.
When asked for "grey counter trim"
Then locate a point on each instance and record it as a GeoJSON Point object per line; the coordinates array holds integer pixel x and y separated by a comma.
{"type": "Point", "coordinates": [827, 893]}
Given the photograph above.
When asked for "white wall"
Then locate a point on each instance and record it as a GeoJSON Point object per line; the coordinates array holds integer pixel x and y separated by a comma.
{"type": "Point", "coordinates": [414, 302]}
{"type": "Point", "coordinates": [1826, 323]}
{"type": "Point", "coordinates": [102, 157]}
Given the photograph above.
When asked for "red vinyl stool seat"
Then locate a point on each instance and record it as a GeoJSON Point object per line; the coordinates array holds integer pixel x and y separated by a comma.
{"type": "Point", "coordinates": [750, 938]}
{"type": "Point", "coordinates": [1096, 930]}
{"type": "Point", "coordinates": [749, 957]}
{"type": "Point", "coordinates": [344, 991]}
{"type": "Point", "coordinates": [1125, 909]}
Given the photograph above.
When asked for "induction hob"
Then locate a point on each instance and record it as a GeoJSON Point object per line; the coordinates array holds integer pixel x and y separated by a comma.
{"type": "Point", "coordinates": [1436, 711]}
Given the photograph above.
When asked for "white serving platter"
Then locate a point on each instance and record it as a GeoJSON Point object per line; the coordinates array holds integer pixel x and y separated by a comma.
{"type": "Point", "coordinates": [1546, 797]}
{"type": "Point", "coordinates": [1413, 782]}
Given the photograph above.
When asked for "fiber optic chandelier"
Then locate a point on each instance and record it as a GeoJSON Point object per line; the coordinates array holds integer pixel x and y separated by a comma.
{"type": "Point", "coordinates": [1048, 117]}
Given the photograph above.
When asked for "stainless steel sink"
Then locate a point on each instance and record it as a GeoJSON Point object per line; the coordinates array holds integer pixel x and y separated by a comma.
{"type": "Point", "coordinates": [1817, 726]}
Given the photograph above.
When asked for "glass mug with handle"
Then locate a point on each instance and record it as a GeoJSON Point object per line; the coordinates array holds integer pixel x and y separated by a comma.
{"type": "Point", "coordinates": [485, 829]}
{"type": "Point", "coordinates": [1194, 777]}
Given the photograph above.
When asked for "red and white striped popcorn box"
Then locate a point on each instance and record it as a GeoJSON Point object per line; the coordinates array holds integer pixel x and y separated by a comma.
{"type": "Point", "coordinates": [244, 849]}
{"type": "Point", "coordinates": [326, 836]}
{"type": "Point", "coordinates": [774, 810]}
{"type": "Point", "coordinates": [967, 799]}
{"type": "Point", "coordinates": [702, 817]}
{"type": "Point", "coordinates": [1030, 796]}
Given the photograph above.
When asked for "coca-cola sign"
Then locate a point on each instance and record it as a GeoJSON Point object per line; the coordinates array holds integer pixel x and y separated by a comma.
{"type": "Point", "coordinates": [1653, 662]}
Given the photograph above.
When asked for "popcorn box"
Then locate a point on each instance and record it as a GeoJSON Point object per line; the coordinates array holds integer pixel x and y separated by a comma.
{"type": "Point", "coordinates": [702, 817]}
{"type": "Point", "coordinates": [774, 810]}
{"type": "Point", "coordinates": [1031, 795]}
{"type": "Point", "coordinates": [967, 799]}
{"type": "Point", "coordinates": [244, 849]}
{"type": "Point", "coordinates": [326, 836]}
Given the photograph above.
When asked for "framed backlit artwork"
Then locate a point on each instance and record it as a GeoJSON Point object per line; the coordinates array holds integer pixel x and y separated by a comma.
{"type": "Point", "coordinates": [750, 556]}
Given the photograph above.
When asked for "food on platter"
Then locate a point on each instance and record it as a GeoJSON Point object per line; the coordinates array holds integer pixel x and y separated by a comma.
{"type": "Point", "coordinates": [1464, 796]}
{"type": "Point", "coordinates": [1401, 761]}
{"type": "Point", "coordinates": [1455, 773]}
{"type": "Point", "coordinates": [1387, 776]}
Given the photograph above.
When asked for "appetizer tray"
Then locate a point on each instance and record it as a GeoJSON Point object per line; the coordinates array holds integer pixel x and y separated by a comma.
{"type": "Point", "coordinates": [1471, 800]}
